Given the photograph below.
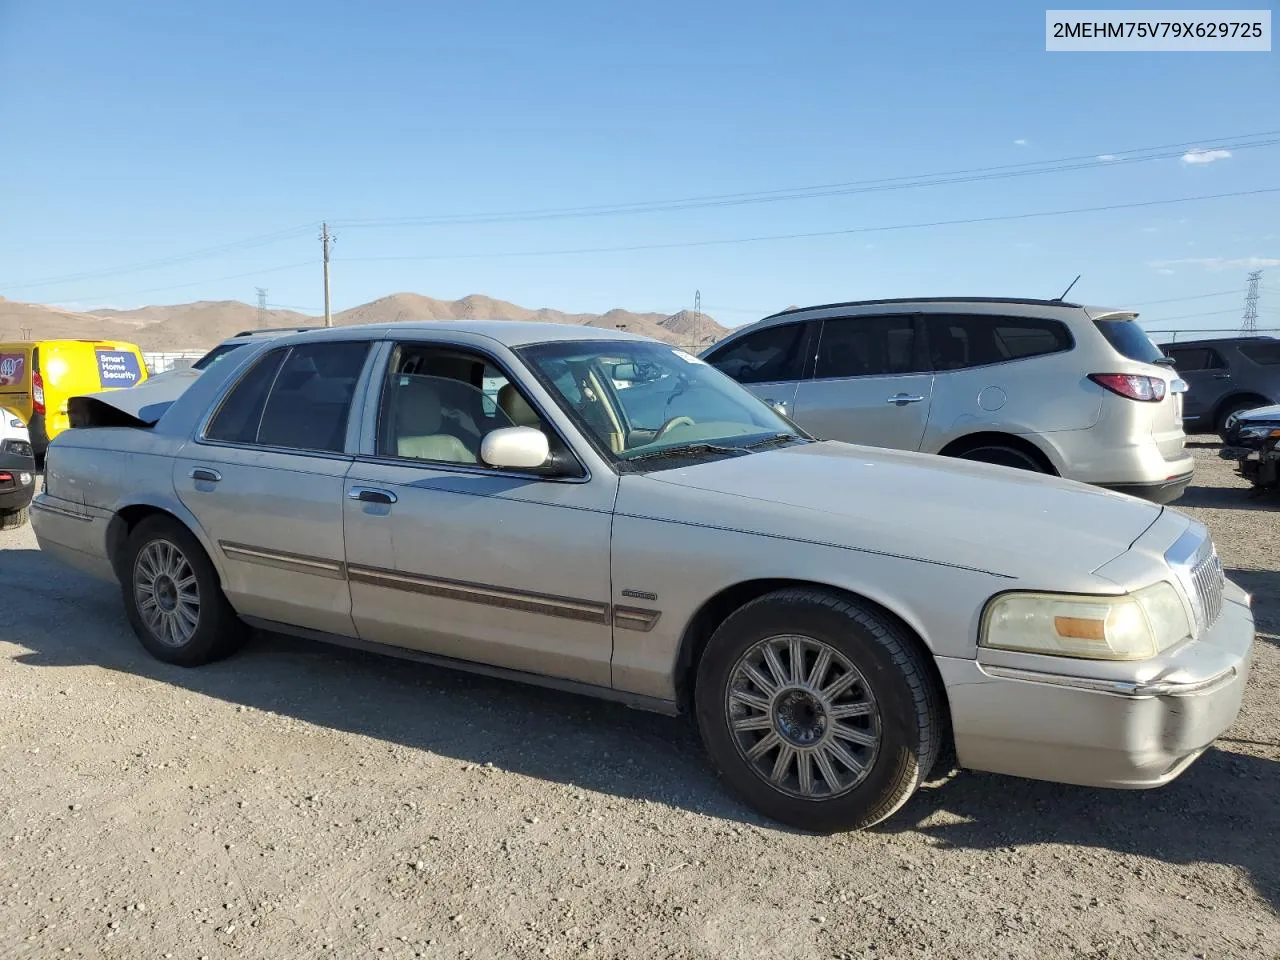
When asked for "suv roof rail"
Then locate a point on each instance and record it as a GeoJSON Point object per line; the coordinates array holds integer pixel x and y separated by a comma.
{"type": "Point", "coordinates": [256, 330]}
{"type": "Point", "coordinates": [1026, 301]}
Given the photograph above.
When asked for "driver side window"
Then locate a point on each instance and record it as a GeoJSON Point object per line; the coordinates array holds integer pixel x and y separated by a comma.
{"type": "Point", "coordinates": [439, 403]}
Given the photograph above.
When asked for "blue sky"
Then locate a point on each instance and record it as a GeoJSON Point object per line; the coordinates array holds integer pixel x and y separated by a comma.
{"type": "Point", "coordinates": [148, 131]}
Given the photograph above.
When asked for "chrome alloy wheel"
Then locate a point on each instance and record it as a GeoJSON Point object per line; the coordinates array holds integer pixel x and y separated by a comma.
{"type": "Point", "coordinates": [166, 592]}
{"type": "Point", "coordinates": [803, 717]}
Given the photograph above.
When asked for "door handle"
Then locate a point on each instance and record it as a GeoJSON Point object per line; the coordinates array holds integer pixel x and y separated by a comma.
{"type": "Point", "coordinates": [206, 474]}
{"type": "Point", "coordinates": [902, 399]}
{"type": "Point", "coordinates": [1222, 376]}
{"type": "Point", "coordinates": [371, 495]}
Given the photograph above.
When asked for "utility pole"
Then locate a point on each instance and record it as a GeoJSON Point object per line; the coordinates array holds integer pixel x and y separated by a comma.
{"type": "Point", "coordinates": [1249, 328]}
{"type": "Point", "coordinates": [262, 306]}
{"type": "Point", "coordinates": [26, 333]}
{"type": "Point", "coordinates": [326, 240]}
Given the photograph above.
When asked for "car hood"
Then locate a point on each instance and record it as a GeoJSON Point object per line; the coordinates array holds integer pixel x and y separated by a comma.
{"type": "Point", "coordinates": [1259, 413]}
{"type": "Point", "coordinates": [937, 509]}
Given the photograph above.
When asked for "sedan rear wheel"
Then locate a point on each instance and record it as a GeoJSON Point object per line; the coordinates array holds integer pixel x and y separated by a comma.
{"type": "Point", "coordinates": [173, 598]}
{"type": "Point", "coordinates": [819, 711]}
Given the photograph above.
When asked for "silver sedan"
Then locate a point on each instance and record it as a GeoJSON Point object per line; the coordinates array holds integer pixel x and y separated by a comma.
{"type": "Point", "coordinates": [605, 514]}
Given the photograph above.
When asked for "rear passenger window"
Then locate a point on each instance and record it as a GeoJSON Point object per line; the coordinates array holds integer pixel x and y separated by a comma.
{"type": "Point", "coordinates": [1264, 353]}
{"type": "Point", "coordinates": [298, 398]}
{"type": "Point", "coordinates": [867, 347]}
{"type": "Point", "coordinates": [768, 355]}
{"type": "Point", "coordinates": [1196, 358]}
{"type": "Point", "coordinates": [237, 419]}
{"type": "Point", "coordinates": [958, 341]}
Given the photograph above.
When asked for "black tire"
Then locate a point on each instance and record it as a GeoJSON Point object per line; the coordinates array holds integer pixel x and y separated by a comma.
{"type": "Point", "coordinates": [13, 519]}
{"type": "Point", "coordinates": [909, 709]}
{"type": "Point", "coordinates": [1003, 456]}
{"type": "Point", "coordinates": [1233, 406]}
{"type": "Point", "coordinates": [218, 632]}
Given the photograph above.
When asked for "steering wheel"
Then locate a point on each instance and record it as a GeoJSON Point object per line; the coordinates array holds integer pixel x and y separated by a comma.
{"type": "Point", "coordinates": [671, 425]}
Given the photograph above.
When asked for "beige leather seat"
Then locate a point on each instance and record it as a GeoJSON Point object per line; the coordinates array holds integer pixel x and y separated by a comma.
{"type": "Point", "coordinates": [418, 426]}
{"type": "Point", "coordinates": [517, 408]}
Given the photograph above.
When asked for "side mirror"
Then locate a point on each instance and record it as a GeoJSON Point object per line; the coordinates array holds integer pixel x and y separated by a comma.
{"type": "Point", "coordinates": [625, 371]}
{"type": "Point", "coordinates": [517, 448]}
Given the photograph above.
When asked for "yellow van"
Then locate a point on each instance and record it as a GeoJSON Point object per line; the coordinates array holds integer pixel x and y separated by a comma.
{"type": "Point", "coordinates": [38, 377]}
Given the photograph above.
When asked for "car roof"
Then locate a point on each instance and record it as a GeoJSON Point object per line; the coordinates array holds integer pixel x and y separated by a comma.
{"type": "Point", "coordinates": [510, 333]}
{"type": "Point", "coordinates": [1026, 301]}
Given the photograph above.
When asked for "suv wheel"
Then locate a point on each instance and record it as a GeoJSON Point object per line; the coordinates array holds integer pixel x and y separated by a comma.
{"type": "Point", "coordinates": [1232, 407]}
{"type": "Point", "coordinates": [1003, 456]}
{"type": "Point", "coordinates": [173, 598]}
{"type": "Point", "coordinates": [820, 713]}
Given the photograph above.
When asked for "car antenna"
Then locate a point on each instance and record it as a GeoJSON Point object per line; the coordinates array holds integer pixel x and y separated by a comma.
{"type": "Point", "coordinates": [1059, 297]}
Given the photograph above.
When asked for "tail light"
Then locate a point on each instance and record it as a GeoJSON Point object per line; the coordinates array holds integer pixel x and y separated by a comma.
{"type": "Point", "coordinates": [37, 392]}
{"type": "Point", "coordinates": [1131, 385]}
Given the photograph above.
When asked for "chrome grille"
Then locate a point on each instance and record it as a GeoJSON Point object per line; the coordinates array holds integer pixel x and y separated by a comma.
{"type": "Point", "coordinates": [1209, 582]}
{"type": "Point", "coordinates": [1195, 562]}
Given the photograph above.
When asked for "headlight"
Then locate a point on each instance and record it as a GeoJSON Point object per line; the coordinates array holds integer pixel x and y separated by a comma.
{"type": "Point", "coordinates": [1131, 626]}
{"type": "Point", "coordinates": [1259, 430]}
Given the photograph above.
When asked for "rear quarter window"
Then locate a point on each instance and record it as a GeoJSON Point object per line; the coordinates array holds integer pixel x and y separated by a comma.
{"type": "Point", "coordinates": [1129, 340]}
{"type": "Point", "coordinates": [1267, 354]}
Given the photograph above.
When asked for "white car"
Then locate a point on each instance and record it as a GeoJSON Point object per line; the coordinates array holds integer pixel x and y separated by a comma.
{"type": "Point", "coordinates": [17, 470]}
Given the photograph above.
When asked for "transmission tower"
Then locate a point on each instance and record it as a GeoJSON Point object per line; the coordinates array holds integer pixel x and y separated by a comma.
{"type": "Point", "coordinates": [1249, 328]}
{"type": "Point", "coordinates": [262, 306]}
{"type": "Point", "coordinates": [697, 316]}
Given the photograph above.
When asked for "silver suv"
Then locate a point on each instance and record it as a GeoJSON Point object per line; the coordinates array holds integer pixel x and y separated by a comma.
{"type": "Point", "coordinates": [1081, 392]}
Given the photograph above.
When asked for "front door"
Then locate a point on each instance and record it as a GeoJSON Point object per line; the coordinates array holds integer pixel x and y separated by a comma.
{"type": "Point", "coordinates": [869, 384]}
{"type": "Point", "coordinates": [457, 559]}
{"type": "Point", "coordinates": [265, 482]}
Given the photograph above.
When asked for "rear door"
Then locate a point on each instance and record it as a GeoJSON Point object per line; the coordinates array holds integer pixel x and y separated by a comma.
{"type": "Point", "coordinates": [870, 383]}
{"type": "Point", "coordinates": [265, 481]}
{"type": "Point", "coordinates": [1208, 379]}
{"type": "Point", "coordinates": [15, 378]}
{"type": "Point", "coordinates": [769, 362]}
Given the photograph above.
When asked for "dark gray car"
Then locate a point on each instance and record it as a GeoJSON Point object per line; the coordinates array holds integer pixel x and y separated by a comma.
{"type": "Point", "coordinates": [1225, 376]}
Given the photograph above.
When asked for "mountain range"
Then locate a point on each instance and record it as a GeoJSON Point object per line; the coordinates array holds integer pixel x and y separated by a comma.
{"type": "Point", "coordinates": [199, 325]}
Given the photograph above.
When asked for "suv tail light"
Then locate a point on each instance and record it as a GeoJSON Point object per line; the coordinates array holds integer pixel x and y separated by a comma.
{"type": "Point", "coordinates": [1131, 385]}
{"type": "Point", "coordinates": [37, 392]}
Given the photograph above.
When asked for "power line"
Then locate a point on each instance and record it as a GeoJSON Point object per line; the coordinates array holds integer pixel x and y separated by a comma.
{"type": "Point", "coordinates": [1141, 155]}
{"type": "Point", "coordinates": [232, 247]}
{"type": "Point", "coordinates": [193, 283]}
{"type": "Point", "coordinates": [814, 234]}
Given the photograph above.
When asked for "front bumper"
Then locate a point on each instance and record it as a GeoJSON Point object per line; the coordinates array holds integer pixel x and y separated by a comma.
{"type": "Point", "coordinates": [1095, 732]}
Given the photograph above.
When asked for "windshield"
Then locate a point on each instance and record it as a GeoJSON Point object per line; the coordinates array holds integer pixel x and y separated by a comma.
{"type": "Point", "coordinates": [214, 355]}
{"type": "Point", "coordinates": [1130, 340]}
{"type": "Point", "coordinates": [636, 399]}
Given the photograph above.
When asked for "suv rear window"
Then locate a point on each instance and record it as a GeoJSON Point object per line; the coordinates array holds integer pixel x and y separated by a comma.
{"type": "Point", "coordinates": [1267, 353]}
{"type": "Point", "coordinates": [1130, 340]}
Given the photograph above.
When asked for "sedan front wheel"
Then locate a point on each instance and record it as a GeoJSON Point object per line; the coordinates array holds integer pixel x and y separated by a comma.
{"type": "Point", "coordinates": [817, 710]}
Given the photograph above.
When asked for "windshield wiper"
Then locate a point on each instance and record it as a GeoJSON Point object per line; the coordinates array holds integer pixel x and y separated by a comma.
{"type": "Point", "coordinates": [772, 439]}
{"type": "Point", "coordinates": [686, 450]}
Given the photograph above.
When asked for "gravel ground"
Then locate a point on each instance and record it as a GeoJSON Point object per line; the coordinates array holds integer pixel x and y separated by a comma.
{"type": "Point", "coordinates": [303, 801]}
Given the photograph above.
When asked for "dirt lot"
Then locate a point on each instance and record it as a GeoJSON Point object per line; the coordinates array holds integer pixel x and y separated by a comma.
{"type": "Point", "coordinates": [302, 801]}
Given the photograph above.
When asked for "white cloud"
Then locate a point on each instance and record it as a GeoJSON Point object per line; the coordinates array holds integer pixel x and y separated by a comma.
{"type": "Point", "coordinates": [1150, 229]}
{"type": "Point", "coordinates": [1107, 157]}
{"type": "Point", "coordinates": [1216, 264]}
{"type": "Point", "coordinates": [1205, 156]}
{"type": "Point", "coordinates": [1166, 271]}
{"type": "Point", "coordinates": [1020, 142]}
